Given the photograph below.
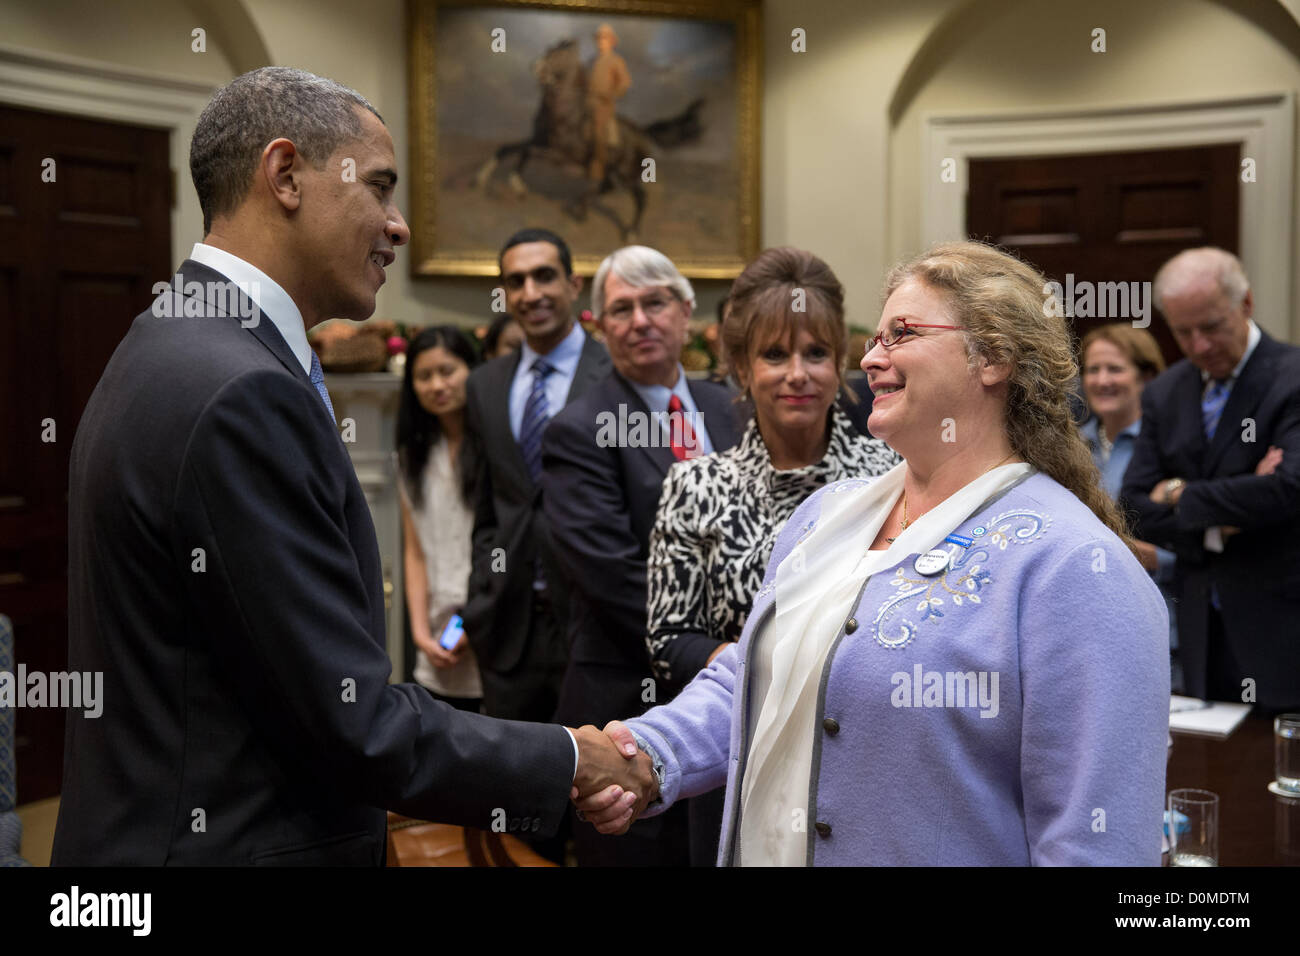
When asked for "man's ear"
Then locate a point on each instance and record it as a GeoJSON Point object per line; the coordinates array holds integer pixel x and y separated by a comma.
{"type": "Point", "coordinates": [575, 283]}
{"type": "Point", "coordinates": [281, 168]}
{"type": "Point", "coordinates": [994, 374]}
{"type": "Point", "coordinates": [1248, 305]}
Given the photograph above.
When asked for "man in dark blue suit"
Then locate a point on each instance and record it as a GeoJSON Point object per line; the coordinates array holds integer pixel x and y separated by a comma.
{"type": "Point", "coordinates": [516, 603]}
{"type": "Point", "coordinates": [604, 461]}
{"type": "Point", "coordinates": [1215, 478]}
{"type": "Point", "coordinates": [224, 574]}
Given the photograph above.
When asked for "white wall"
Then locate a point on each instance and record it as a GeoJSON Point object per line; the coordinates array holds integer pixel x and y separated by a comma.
{"type": "Point", "coordinates": [1000, 55]}
{"type": "Point", "coordinates": [841, 122]}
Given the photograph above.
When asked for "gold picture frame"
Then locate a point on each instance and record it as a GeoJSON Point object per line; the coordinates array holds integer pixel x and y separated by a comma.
{"type": "Point", "coordinates": [499, 89]}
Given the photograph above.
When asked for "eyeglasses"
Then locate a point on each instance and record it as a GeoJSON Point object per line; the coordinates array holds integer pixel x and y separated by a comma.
{"type": "Point", "coordinates": [893, 335]}
{"type": "Point", "coordinates": [653, 305]}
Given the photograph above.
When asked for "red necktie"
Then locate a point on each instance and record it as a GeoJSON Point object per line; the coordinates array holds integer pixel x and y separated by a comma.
{"type": "Point", "coordinates": [682, 438]}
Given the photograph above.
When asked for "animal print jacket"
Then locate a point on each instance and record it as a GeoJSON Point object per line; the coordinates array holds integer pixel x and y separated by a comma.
{"type": "Point", "coordinates": [718, 518]}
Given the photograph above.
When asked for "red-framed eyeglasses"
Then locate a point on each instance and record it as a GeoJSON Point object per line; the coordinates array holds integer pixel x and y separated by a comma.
{"type": "Point", "coordinates": [893, 335]}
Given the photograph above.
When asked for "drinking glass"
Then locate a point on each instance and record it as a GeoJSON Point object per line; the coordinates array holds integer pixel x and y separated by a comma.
{"type": "Point", "coordinates": [1286, 752]}
{"type": "Point", "coordinates": [1193, 828]}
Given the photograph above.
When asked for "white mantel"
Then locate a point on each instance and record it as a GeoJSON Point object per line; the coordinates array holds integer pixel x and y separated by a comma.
{"type": "Point", "coordinates": [370, 401]}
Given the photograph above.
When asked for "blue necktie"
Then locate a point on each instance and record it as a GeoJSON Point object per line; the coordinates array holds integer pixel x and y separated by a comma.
{"type": "Point", "coordinates": [1216, 396]}
{"type": "Point", "coordinates": [536, 415]}
{"type": "Point", "coordinates": [318, 379]}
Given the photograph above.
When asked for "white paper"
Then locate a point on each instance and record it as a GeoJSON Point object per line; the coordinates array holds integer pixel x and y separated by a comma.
{"type": "Point", "coordinates": [1187, 715]}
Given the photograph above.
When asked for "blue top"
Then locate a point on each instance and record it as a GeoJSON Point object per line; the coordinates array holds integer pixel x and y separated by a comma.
{"type": "Point", "coordinates": [1060, 761]}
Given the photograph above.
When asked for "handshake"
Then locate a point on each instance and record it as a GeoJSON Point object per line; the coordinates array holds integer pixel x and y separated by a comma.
{"type": "Point", "coordinates": [614, 781]}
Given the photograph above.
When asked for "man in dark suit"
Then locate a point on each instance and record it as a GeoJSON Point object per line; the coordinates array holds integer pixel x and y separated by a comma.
{"type": "Point", "coordinates": [604, 461]}
{"type": "Point", "coordinates": [223, 569]}
{"type": "Point", "coordinates": [1215, 478]}
{"type": "Point", "coordinates": [514, 612]}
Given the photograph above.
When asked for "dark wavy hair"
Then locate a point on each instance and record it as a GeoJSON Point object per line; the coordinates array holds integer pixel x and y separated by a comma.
{"type": "Point", "coordinates": [418, 431]}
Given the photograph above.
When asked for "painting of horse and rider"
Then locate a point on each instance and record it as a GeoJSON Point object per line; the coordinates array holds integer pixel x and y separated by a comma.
{"type": "Point", "coordinates": [607, 126]}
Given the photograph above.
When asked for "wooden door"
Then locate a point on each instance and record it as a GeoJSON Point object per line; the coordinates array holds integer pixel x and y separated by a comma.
{"type": "Point", "coordinates": [1108, 217]}
{"type": "Point", "coordinates": [84, 234]}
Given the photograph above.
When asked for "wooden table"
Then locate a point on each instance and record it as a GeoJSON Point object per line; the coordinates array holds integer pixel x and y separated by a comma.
{"type": "Point", "coordinates": [1256, 828]}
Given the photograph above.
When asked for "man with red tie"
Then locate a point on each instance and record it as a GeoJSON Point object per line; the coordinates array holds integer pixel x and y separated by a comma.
{"type": "Point", "coordinates": [604, 458]}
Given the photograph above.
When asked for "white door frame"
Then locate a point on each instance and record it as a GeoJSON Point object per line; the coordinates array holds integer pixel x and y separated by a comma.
{"type": "Point", "coordinates": [87, 88]}
{"type": "Point", "coordinates": [1264, 124]}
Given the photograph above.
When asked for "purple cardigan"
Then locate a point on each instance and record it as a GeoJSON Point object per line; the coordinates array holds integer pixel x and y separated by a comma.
{"type": "Point", "coordinates": [1012, 710]}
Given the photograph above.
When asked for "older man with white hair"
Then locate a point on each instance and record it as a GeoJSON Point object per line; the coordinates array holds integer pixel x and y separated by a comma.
{"type": "Point", "coordinates": [1215, 477]}
{"type": "Point", "coordinates": [604, 459]}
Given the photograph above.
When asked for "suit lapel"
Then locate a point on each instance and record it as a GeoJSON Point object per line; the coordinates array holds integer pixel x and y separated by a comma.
{"type": "Point", "coordinates": [1242, 400]}
{"type": "Point", "coordinates": [719, 413]}
{"type": "Point", "coordinates": [593, 365]}
{"type": "Point", "coordinates": [660, 456]}
{"type": "Point", "coordinates": [263, 329]}
{"type": "Point", "coordinates": [1187, 394]}
{"type": "Point", "coordinates": [497, 416]}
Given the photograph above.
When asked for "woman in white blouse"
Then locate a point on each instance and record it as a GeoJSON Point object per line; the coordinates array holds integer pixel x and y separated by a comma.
{"type": "Point", "coordinates": [436, 481]}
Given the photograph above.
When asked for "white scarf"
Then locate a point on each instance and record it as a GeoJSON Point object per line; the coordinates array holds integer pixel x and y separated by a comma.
{"type": "Point", "coordinates": [816, 586]}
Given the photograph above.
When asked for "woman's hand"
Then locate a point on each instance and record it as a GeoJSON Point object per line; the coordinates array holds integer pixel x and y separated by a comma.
{"type": "Point", "coordinates": [438, 655]}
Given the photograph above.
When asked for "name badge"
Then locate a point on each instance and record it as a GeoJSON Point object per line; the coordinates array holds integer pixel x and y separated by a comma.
{"type": "Point", "coordinates": [931, 563]}
{"type": "Point", "coordinates": [959, 540]}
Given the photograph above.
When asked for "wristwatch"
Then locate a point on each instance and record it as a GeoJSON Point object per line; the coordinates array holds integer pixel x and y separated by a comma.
{"type": "Point", "coordinates": [1172, 485]}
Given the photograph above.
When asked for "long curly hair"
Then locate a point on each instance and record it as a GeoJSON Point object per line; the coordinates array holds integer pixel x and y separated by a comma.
{"type": "Point", "coordinates": [1003, 305]}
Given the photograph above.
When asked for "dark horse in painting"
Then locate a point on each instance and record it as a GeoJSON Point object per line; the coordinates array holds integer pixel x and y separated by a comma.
{"type": "Point", "coordinates": [553, 162]}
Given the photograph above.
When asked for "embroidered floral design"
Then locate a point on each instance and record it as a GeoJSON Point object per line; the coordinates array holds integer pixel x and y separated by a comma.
{"type": "Point", "coordinates": [962, 582]}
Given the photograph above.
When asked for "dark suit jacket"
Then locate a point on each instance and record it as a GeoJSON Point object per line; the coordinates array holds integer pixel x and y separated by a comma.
{"type": "Point", "coordinates": [1258, 574]}
{"type": "Point", "coordinates": [508, 516]}
{"type": "Point", "coordinates": [600, 504]}
{"type": "Point", "coordinates": [224, 575]}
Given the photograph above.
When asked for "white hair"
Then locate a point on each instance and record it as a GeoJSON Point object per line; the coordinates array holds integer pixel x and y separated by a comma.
{"type": "Point", "coordinates": [1191, 264]}
{"type": "Point", "coordinates": [639, 266]}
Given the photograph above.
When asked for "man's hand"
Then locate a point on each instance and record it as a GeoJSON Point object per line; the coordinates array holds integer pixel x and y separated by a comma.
{"type": "Point", "coordinates": [1268, 464]}
{"type": "Point", "coordinates": [614, 781]}
{"type": "Point", "coordinates": [1168, 492]}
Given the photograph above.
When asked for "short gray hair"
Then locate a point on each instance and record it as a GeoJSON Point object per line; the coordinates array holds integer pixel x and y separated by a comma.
{"type": "Point", "coordinates": [316, 114]}
{"type": "Point", "coordinates": [639, 266]}
{"type": "Point", "coordinates": [1226, 268]}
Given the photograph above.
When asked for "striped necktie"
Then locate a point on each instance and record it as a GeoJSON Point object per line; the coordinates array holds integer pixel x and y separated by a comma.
{"type": "Point", "coordinates": [1216, 396]}
{"type": "Point", "coordinates": [318, 380]}
{"type": "Point", "coordinates": [536, 414]}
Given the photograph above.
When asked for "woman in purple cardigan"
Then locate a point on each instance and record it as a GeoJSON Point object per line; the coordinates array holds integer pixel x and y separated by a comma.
{"type": "Point", "coordinates": [959, 662]}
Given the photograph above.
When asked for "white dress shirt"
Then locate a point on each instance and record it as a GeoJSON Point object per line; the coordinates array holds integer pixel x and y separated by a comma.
{"type": "Point", "coordinates": [656, 398]}
{"type": "Point", "coordinates": [564, 358]}
{"type": "Point", "coordinates": [267, 294]}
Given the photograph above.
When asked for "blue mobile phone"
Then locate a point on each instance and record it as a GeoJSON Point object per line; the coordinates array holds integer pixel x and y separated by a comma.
{"type": "Point", "coordinates": [452, 632]}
